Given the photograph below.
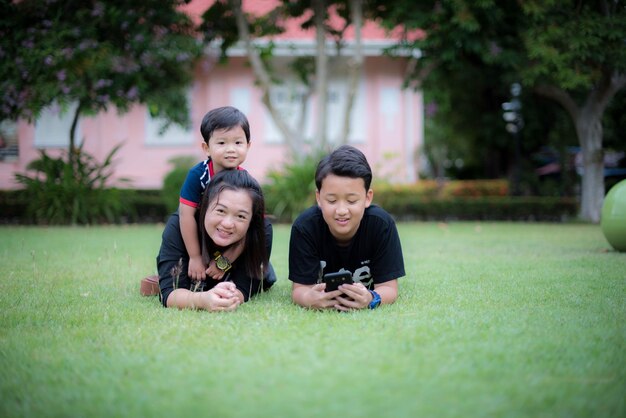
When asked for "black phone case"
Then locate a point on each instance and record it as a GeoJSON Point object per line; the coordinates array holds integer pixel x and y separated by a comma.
{"type": "Point", "coordinates": [334, 280]}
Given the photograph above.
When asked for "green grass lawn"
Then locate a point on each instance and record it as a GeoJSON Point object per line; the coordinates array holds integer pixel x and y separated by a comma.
{"type": "Point", "coordinates": [493, 320]}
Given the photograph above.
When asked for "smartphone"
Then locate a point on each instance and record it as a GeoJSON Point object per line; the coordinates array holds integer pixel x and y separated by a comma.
{"type": "Point", "coordinates": [334, 280]}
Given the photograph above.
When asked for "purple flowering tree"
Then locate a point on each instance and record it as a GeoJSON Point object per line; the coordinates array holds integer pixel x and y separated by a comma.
{"type": "Point", "coordinates": [95, 54]}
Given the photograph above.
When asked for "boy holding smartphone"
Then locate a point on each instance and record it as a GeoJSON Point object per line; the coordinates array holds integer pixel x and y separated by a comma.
{"type": "Point", "coordinates": [344, 233]}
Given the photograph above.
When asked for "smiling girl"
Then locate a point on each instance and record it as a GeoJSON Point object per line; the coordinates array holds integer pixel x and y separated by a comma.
{"type": "Point", "coordinates": [231, 215]}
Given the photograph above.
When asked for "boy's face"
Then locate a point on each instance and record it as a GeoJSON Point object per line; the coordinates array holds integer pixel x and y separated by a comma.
{"type": "Point", "coordinates": [227, 148]}
{"type": "Point", "coordinates": [343, 201]}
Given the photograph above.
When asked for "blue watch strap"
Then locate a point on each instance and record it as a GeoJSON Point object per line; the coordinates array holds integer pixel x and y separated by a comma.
{"type": "Point", "coordinates": [375, 300]}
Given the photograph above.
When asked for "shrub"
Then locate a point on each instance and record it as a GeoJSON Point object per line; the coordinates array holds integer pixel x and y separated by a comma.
{"type": "Point", "coordinates": [12, 206]}
{"type": "Point", "coordinates": [291, 189]}
{"type": "Point", "coordinates": [62, 193]}
{"type": "Point", "coordinates": [525, 208]}
{"type": "Point", "coordinates": [476, 188]}
{"type": "Point", "coordinates": [148, 206]}
{"type": "Point", "coordinates": [449, 188]}
{"type": "Point", "coordinates": [144, 206]}
{"type": "Point", "coordinates": [470, 200]}
{"type": "Point", "coordinates": [173, 181]}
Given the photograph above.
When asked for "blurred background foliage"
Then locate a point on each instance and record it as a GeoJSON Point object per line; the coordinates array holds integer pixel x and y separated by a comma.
{"type": "Point", "coordinates": [143, 52]}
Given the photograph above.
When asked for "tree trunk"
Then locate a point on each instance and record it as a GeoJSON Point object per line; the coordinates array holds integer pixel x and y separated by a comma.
{"type": "Point", "coordinates": [321, 73]}
{"type": "Point", "coordinates": [588, 122]}
{"type": "Point", "coordinates": [292, 137]}
{"type": "Point", "coordinates": [589, 131]}
{"type": "Point", "coordinates": [355, 64]}
{"type": "Point", "coordinates": [72, 154]}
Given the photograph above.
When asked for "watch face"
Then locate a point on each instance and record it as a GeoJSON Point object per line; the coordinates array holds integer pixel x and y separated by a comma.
{"type": "Point", "coordinates": [222, 263]}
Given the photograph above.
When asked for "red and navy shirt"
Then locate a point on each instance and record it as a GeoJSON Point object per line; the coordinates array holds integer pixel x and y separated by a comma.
{"type": "Point", "coordinates": [196, 182]}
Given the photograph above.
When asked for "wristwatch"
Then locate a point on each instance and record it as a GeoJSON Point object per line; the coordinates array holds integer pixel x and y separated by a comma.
{"type": "Point", "coordinates": [222, 262]}
{"type": "Point", "coordinates": [375, 300]}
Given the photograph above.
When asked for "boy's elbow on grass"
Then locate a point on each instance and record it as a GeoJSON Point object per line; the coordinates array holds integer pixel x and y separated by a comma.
{"type": "Point", "coordinates": [389, 300]}
{"type": "Point", "coordinates": [303, 295]}
{"type": "Point", "coordinates": [298, 297]}
{"type": "Point", "coordinates": [388, 291]}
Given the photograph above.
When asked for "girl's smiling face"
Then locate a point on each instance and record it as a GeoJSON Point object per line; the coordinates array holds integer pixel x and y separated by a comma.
{"type": "Point", "coordinates": [228, 218]}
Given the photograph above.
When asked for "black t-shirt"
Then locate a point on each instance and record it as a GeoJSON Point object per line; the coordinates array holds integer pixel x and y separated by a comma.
{"type": "Point", "coordinates": [374, 255]}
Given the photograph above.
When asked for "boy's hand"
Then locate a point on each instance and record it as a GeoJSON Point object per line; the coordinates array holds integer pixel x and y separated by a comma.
{"type": "Point", "coordinates": [213, 272]}
{"type": "Point", "coordinates": [318, 298]}
{"type": "Point", "coordinates": [197, 270]}
{"type": "Point", "coordinates": [353, 296]}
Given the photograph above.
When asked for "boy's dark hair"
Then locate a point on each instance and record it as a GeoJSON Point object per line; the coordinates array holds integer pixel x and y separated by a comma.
{"type": "Point", "coordinates": [345, 161]}
{"type": "Point", "coordinates": [254, 255]}
{"type": "Point", "coordinates": [226, 117]}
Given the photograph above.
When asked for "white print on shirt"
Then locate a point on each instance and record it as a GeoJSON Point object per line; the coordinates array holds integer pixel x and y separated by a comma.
{"type": "Point", "coordinates": [321, 272]}
{"type": "Point", "coordinates": [363, 275]}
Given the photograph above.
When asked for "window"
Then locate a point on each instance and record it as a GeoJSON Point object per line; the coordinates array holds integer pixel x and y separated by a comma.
{"type": "Point", "coordinates": [52, 128]}
{"type": "Point", "coordinates": [288, 96]}
{"type": "Point", "coordinates": [8, 141]}
{"type": "Point", "coordinates": [337, 100]}
{"type": "Point", "coordinates": [287, 100]}
{"type": "Point", "coordinates": [389, 105]}
{"type": "Point", "coordinates": [240, 98]}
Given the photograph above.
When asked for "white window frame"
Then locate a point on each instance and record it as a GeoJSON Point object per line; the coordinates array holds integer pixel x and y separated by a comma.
{"type": "Point", "coordinates": [286, 100]}
{"type": "Point", "coordinates": [338, 95]}
{"type": "Point", "coordinates": [241, 98]}
{"type": "Point", "coordinates": [52, 127]}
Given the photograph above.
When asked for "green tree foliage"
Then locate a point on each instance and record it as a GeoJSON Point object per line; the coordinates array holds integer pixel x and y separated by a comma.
{"type": "Point", "coordinates": [569, 51]}
{"type": "Point", "coordinates": [464, 131]}
{"type": "Point", "coordinates": [95, 54]}
{"type": "Point", "coordinates": [465, 69]}
{"type": "Point", "coordinates": [575, 56]}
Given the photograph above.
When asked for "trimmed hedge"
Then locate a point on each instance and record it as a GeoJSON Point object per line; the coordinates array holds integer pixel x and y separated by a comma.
{"type": "Point", "coordinates": [405, 204]}
{"type": "Point", "coordinates": [144, 206]}
{"type": "Point", "coordinates": [12, 206]}
{"type": "Point", "coordinates": [489, 208]}
{"type": "Point", "coordinates": [448, 188]}
{"type": "Point", "coordinates": [487, 200]}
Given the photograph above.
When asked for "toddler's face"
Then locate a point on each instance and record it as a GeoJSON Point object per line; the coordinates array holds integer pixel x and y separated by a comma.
{"type": "Point", "coordinates": [227, 148]}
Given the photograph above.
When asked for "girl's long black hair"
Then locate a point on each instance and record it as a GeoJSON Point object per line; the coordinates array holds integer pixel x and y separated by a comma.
{"type": "Point", "coordinates": [254, 255]}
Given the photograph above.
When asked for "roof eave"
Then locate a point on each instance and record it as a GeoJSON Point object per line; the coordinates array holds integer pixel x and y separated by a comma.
{"type": "Point", "coordinates": [303, 47]}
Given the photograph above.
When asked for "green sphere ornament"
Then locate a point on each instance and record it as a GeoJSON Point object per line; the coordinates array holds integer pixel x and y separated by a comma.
{"type": "Point", "coordinates": [613, 217]}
